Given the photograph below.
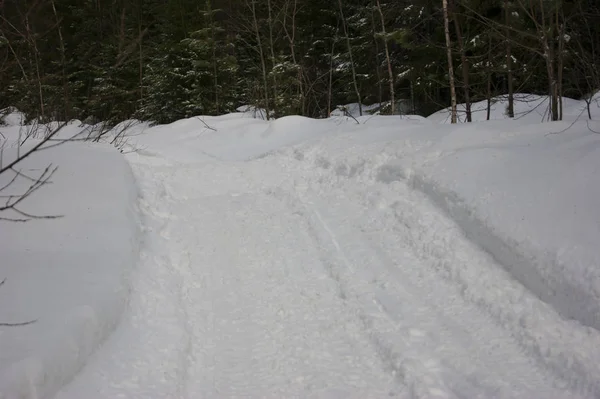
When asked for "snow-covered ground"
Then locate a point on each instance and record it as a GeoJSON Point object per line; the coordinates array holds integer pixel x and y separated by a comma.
{"type": "Point", "coordinates": [70, 274]}
{"type": "Point", "coordinates": [398, 257]}
{"type": "Point", "coordinates": [527, 107]}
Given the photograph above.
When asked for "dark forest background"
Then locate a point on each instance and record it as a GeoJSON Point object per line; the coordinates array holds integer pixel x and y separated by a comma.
{"type": "Point", "coordinates": [162, 60]}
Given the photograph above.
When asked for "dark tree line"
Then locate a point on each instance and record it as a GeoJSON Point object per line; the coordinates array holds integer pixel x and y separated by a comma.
{"type": "Point", "coordinates": [167, 59]}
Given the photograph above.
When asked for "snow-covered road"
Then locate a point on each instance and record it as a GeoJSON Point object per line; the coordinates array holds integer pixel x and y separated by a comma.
{"type": "Point", "coordinates": [276, 278]}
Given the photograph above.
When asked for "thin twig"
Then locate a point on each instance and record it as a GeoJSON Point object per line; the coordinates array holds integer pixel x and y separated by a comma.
{"type": "Point", "coordinates": [31, 150]}
{"type": "Point", "coordinates": [14, 324]}
{"type": "Point", "coordinates": [570, 125]}
{"type": "Point", "coordinates": [205, 124]}
{"type": "Point", "coordinates": [590, 129]}
{"type": "Point", "coordinates": [13, 200]}
{"type": "Point", "coordinates": [17, 324]}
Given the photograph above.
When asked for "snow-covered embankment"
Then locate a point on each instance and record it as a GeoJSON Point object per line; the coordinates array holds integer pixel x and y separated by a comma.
{"type": "Point", "coordinates": [70, 274]}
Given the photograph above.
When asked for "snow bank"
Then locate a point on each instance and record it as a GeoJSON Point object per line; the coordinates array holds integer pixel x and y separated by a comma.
{"type": "Point", "coordinates": [69, 274]}
{"type": "Point", "coordinates": [354, 109]}
{"type": "Point", "coordinates": [231, 137]}
{"type": "Point", "coordinates": [523, 191]}
{"type": "Point", "coordinates": [527, 197]}
{"type": "Point", "coordinates": [527, 107]}
{"type": "Point", "coordinates": [13, 134]}
{"type": "Point", "coordinates": [403, 107]}
{"type": "Point", "coordinates": [251, 111]}
{"type": "Point", "coordinates": [524, 195]}
{"type": "Point", "coordinates": [11, 117]}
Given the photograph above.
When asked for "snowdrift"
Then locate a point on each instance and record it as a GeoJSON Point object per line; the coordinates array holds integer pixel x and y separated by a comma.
{"type": "Point", "coordinates": [232, 137]}
{"type": "Point", "coordinates": [70, 274]}
{"type": "Point", "coordinates": [527, 107]}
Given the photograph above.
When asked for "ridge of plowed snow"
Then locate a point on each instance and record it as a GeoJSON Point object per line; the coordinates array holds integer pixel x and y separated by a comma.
{"type": "Point", "coordinates": [70, 274]}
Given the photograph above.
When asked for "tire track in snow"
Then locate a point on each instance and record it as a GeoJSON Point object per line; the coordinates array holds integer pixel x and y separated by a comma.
{"type": "Point", "coordinates": [266, 321]}
{"type": "Point", "coordinates": [165, 255]}
{"type": "Point", "coordinates": [421, 377]}
{"type": "Point", "coordinates": [438, 304]}
{"type": "Point", "coordinates": [566, 352]}
{"type": "Point", "coordinates": [181, 266]}
{"type": "Point", "coordinates": [562, 348]}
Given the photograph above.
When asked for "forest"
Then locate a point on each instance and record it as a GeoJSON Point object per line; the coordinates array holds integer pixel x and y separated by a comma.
{"type": "Point", "coordinates": [162, 60]}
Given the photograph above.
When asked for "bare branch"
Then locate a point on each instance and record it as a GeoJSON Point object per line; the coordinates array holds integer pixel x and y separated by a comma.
{"type": "Point", "coordinates": [35, 148]}
{"type": "Point", "coordinates": [590, 129]}
{"type": "Point", "coordinates": [14, 324]}
{"type": "Point", "coordinates": [206, 124]}
{"type": "Point", "coordinates": [12, 201]}
{"type": "Point", "coordinates": [17, 324]}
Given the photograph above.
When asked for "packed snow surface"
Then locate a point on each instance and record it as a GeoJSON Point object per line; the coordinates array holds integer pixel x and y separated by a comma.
{"type": "Point", "coordinates": [397, 257]}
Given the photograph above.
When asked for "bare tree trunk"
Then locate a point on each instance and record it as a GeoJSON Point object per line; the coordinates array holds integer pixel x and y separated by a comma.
{"type": "Point", "coordinates": [262, 57]}
{"type": "Point", "coordinates": [216, 78]}
{"type": "Point", "coordinates": [413, 106]}
{"type": "Point", "coordinates": [272, 50]}
{"type": "Point", "coordinates": [547, 38]}
{"type": "Point", "coordinates": [214, 57]}
{"type": "Point", "coordinates": [292, 43]}
{"type": "Point", "coordinates": [36, 60]}
{"type": "Point", "coordinates": [387, 56]}
{"type": "Point", "coordinates": [545, 29]}
{"type": "Point", "coordinates": [122, 31]}
{"type": "Point", "coordinates": [63, 65]}
{"type": "Point", "coordinates": [590, 63]}
{"type": "Point", "coordinates": [464, 66]}
{"type": "Point", "coordinates": [330, 84]}
{"type": "Point", "coordinates": [377, 71]}
{"type": "Point", "coordinates": [511, 96]}
{"type": "Point", "coordinates": [141, 57]}
{"type": "Point", "coordinates": [489, 82]}
{"type": "Point", "coordinates": [560, 62]}
{"type": "Point", "coordinates": [354, 81]}
{"type": "Point", "coordinates": [18, 61]}
{"type": "Point", "coordinates": [450, 64]}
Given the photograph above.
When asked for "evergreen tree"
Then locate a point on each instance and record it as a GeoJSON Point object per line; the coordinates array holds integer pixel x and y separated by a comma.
{"type": "Point", "coordinates": [113, 59]}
